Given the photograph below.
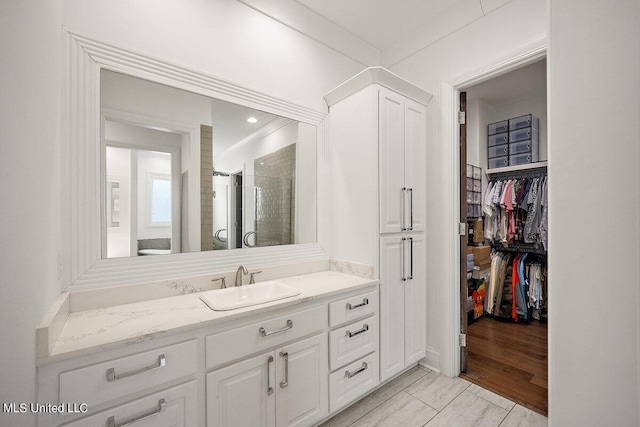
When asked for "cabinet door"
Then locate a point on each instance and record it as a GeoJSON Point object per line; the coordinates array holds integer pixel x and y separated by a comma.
{"type": "Point", "coordinates": [392, 300]}
{"type": "Point", "coordinates": [302, 389]}
{"type": "Point", "coordinates": [415, 170]}
{"type": "Point", "coordinates": [391, 129]}
{"type": "Point", "coordinates": [242, 394]}
{"type": "Point", "coordinates": [415, 301]}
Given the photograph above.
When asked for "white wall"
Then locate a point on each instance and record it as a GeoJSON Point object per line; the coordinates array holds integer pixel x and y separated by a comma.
{"type": "Point", "coordinates": [29, 189]}
{"type": "Point", "coordinates": [594, 204]}
{"type": "Point", "coordinates": [481, 44]}
{"type": "Point", "coordinates": [219, 37]}
{"type": "Point", "coordinates": [223, 38]}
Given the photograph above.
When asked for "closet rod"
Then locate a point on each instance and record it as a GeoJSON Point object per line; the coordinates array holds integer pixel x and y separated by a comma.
{"type": "Point", "coordinates": [519, 247]}
{"type": "Point", "coordinates": [536, 173]}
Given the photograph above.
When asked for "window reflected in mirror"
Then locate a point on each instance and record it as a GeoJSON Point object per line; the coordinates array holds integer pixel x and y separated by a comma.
{"type": "Point", "coordinates": [186, 173]}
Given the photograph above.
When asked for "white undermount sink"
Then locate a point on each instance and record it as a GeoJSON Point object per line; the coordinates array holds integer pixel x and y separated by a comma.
{"type": "Point", "coordinates": [247, 295]}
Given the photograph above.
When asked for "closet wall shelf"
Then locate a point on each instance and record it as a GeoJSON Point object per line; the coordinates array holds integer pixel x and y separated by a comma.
{"type": "Point", "coordinates": [528, 166]}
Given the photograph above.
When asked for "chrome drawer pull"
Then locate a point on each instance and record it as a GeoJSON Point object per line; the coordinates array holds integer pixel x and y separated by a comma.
{"type": "Point", "coordinates": [269, 388]}
{"type": "Point", "coordinates": [365, 301]}
{"type": "Point", "coordinates": [264, 333]}
{"type": "Point", "coordinates": [354, 373]}
{"type": "Point", "coordinates": [285, 383]}
{"type": "Point", "coordinates": [365, 328]}
{"type": "Point", "coordinates": [162, 405]}
{"type": "Point", "coordinates": [112, 376]}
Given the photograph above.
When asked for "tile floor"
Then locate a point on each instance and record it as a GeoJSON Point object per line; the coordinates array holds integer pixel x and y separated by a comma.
{"type": "Point", "coordinates": [421, 397]}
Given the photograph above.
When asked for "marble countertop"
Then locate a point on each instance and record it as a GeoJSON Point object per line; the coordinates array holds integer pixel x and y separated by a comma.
{"type": "Point", "coordinates": [89, 331]}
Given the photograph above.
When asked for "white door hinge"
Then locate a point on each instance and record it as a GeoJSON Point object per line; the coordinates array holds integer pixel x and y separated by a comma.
{"type": "Point", "coordinates": [462, 118]}
{"type": "Point", "coordinates": [462, 228]}
{"type": "Point", "coordinates": [463, 340]}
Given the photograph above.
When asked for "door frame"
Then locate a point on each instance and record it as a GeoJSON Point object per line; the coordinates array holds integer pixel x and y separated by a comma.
{"type": "Point", "coordinates": [450, 88]}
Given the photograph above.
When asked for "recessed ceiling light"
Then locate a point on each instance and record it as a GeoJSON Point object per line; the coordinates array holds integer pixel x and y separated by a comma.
{"type": "Point", "coordinates": [252, 120]}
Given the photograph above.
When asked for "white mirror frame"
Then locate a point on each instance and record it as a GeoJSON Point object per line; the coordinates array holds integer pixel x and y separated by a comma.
{"type": "Point", "coordinates": [83, 267]}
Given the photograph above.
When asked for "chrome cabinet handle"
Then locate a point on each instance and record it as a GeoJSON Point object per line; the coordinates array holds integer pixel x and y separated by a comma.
{"type": "Point", "coordinates": [404, 277]}
{"type": "Point", "coordinates": [410, 208]}
{"type": "Point", "coordinates": [364, 329]}
{"type": "Point", "coordinates": [269, 388]}
{"type": "Point", "coordinates": [354, 373]}
{"type": "Point", "coordinates": [410, 259]}
{"type": "Point", "coordinates": [404, 213]}
{"type": "Point", "coordinates": [285, 383]}
{"type": "Point", "coordinates": [365, 301]}
{"type": "Point", "coordinates": [112, 376]}
{"type": "Point", "coordinates": [162, 405]}
{"type": "Point", "coordinates": [264, 333]}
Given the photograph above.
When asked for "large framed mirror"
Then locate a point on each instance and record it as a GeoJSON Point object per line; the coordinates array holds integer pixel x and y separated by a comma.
{"type": "Point", "coordinates": [177, 182]}
{"type": "Point", "coordinates": [195, 173]}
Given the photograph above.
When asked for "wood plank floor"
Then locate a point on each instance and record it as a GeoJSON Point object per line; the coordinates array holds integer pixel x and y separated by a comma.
{"type": "Point", "coordinates": [509, 359]}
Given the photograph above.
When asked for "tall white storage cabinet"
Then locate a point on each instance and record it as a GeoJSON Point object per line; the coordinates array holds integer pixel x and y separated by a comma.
{"type": "Point", "coordinates": [378, 158]}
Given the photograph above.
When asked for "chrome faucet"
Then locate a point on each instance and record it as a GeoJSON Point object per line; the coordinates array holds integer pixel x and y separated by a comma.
{"type": "Point", "coordinates": [241, 270]}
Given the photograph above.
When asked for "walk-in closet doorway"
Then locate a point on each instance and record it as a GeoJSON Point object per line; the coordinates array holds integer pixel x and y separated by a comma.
{"type": "Point", "coordinates": [503, 211]}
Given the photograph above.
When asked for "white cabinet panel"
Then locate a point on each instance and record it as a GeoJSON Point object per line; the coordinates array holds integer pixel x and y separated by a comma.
{"type": "Point", "coordinates": [174, 407]}
{"type": "Point", "coordinates": [301, 396]}
{"type": "Point", "coordinates": [391, 161]}
{"type": "Point", "coordinates": [415, 303]}
{"type": "Point", "coordinates": [391, 306]}
{"type": "Point", "coordinates": [402, 171]}
{"type": "Point", "coordinates": [355, 307]}
{"type": "Point", "coordinates": [106, 381]}
{"type": "Point", "coordinates": [415, 171]}
{"type": "Point", "coordinates": [243, 394]}
{"type": "Point", "coordinates": [352, 381]}
{"type": "Point", "coordinates": [402, 302]}
{"type": "Point", "coordinates": [285, 387]}
{"type": "Point", "coordinates": [236, 343]}
{"type": "Point", "coordinates": [353, 341]}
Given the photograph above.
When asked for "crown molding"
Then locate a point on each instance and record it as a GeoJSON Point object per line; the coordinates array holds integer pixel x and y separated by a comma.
{"type": "Point", "coordinates": [381, 76]}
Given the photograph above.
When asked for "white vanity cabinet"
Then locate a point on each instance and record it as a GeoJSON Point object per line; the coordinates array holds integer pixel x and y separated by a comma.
{"type": "Point", "coordinates": [263, 366]}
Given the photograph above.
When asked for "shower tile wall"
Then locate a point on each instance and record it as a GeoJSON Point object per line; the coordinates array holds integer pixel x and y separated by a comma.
{"type": "Point", "coordinates": [206, 187]}
{"type": "Point", "coordinates": [275, 182]}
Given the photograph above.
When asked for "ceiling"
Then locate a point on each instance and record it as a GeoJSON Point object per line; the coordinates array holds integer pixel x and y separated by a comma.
{"type": "Point", "coordinates": [376, 32]}
{"type": "Point", "coordinates": [380, 23]}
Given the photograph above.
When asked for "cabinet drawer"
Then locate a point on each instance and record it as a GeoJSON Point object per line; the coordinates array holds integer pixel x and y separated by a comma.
{"type": "Point", "coordinates": [105, 381]}
{"type": "Point", "coordinates": [353, 341]}
{"type": "Point", "coordinates": [176, 406]}
{"type": "Point", "coordinates": [237, 343]}
{"type": "Point", "coordinates": [353, 381]}
{"type": "Point", "coordinates": [352, 308]}
{"type": "Point", "coordinates": [499, 139]}
{"type": "Point", "coordinates": [498, 127]}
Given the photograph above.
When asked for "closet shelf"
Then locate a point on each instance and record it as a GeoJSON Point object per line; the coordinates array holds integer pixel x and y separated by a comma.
{"type": "Point", "coordinates": [528, 166]}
